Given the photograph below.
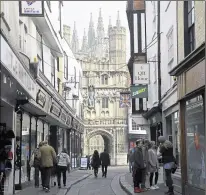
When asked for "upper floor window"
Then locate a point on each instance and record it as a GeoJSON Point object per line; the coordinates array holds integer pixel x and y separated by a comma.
{"type": "Point", "coordinates": [65, 66]}
{"type": "Point", "coordinates": [104, 79]}
{"type": "Point", "coordinates": [75, 77]}
{"type": "Point", "coordinates": [53, 70]}
{"type": "Point", "coordinates": [189, 26]}
{"type": "Point", "coordinates": [155, 69]}
{"type": "Point", "coordinates": [58, 84]}
{"type": "Point", "coordinates": [58, 68]}
{"type": "Point", "coordinates": [23, 37]}
{"type": "Point", "coordinates": [105, 103]}
{"type": "Point", "coordinates": [170, 45]}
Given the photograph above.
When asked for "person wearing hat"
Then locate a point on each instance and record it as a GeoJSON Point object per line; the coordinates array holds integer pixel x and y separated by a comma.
{"type": "Point", "coordinates": [169, 162]}
{"type": "Point", "coordinates": [138, 166]}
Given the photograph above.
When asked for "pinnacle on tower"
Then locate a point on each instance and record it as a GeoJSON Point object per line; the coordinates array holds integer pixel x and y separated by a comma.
{"type": "Point", "coordinates": [100, 27]}
{"type": "Point", "coordinates": [75, 41]}
{"type": "Point", "coordinates": [84, 43]}
{"type": "Point", "coordinates": [118, 23]}
{"type": "Point", "coordinates": [91, 33]}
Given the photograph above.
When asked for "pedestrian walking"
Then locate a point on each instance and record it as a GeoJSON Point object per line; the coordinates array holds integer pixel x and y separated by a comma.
{"type": "Point", "coordinates": [169, 162]}
{"type": "Point", "coordinates": [129, 160]}
{"type": "Point", "coordinates": [63, 161]}
{"type": "Point", "coordinates": [105, 162]}
{"type": "Point", "coordinates": [153, 165]}
{"type": "Point", "coordinates": [35, 162]}
{"type": "Point", "coordinates": [144, 146]}
{"type": "Point", "coordinates": [48, 161]}
{"type": "Point", "coordinates": [96, 162]}
{"type": "Point", "coordinates": [138, 166]}
{"type": "Point", "coordinates": [88, 162]}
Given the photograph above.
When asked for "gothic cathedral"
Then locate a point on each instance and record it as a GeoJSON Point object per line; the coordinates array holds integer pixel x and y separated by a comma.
{"type": "Point", "coordinates": [105, 74]}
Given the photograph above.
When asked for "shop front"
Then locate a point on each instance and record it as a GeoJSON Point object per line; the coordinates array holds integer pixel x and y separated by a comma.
{"type": "Point", "coordinates": [17, 87]}
{"type": "Point", "coordinates": [191, 89]}
{"type": "Point", "coordinates": [154, 116]}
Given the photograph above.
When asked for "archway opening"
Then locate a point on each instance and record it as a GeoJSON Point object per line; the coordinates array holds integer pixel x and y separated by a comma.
{"type": "Point", "coordinates": [99, 143]}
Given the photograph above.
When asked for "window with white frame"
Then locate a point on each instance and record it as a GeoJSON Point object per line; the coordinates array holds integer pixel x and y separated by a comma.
{"type": "Point", "coordinates": [23, 37]}
{"type": "Point", "coordinates": [65, 66]}
{"type": "Point", "coordinates": [104, 79]}
{"type": "Point", "coordinates": [170, 44]}
{"type": "Point", "coordinates": [53, 70]}
{"type": "Point", "coordinates": [105, 102]}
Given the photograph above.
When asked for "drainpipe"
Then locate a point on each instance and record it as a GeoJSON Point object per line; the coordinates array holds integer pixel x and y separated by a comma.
{"type": "Point", "coordinates": [159, 52]}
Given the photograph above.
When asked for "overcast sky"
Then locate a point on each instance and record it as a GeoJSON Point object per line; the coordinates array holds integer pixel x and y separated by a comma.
{"type": "Point", "coordinates": [79, 11]}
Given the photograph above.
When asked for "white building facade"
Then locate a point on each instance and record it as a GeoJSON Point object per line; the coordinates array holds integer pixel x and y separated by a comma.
{"type": "Point", "coordinates": [32, 70]}
{"type": "Point", "coordinates": [103, 59]}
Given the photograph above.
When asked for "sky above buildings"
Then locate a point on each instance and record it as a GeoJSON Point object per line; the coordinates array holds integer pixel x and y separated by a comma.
{"type": "Point", "coordinates": [79, 11]}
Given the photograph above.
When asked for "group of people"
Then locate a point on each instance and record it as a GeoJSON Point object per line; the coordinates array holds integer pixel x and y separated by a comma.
{"type": "Point", "coordinates": [45, 160]}
{"type": "Point", "coordinates": [97, 160]}
{"type": "Point", "coordinates": [144, 159]}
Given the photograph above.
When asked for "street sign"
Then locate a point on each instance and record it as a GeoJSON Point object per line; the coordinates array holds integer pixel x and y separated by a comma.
{"type": "Point", "coordinates": [140, 91]}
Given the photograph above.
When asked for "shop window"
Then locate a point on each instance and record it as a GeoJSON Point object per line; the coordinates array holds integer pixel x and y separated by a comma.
{"type": "Point", "coordinates": [195, 139]}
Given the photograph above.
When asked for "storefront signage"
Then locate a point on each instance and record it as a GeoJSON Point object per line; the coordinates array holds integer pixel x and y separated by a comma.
{"type": "Point", "coordinates": [139, 91]}
{"type": "Point", "coordinates": [31, 8]}
{"type": "Point", "coordinates": [141, 74]}
{"type": "Point", "coordinates": [10, 61]}
{"type": "Point", "coordinates": [83, 162]}
{"type": "Point", "coordinates": [63, 117]}
{"type": "Point", "coordinates": [41, 99]}
{"type": "Point", "coordinates": [55, 110]}
{"type": "Point", "coordinates": [69, 120]}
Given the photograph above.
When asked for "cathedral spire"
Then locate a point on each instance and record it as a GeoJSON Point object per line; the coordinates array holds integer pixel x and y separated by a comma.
{"type": "Point", "coordinates": [100, 27]}
{"type": "Point", "coordinates": [110, 24]}
{"type": "Point", "coordinates": [84, 43]}
{"type": "Point", "coordinates": [75, 41]}
{"type": "Point", "coordinates": [91, 33]}
{"type": "Point", "coordinates": [118, 23]}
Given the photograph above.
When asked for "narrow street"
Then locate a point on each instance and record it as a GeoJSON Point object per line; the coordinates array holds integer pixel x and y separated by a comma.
{"type": "Point", "coordinates": [100, 186]}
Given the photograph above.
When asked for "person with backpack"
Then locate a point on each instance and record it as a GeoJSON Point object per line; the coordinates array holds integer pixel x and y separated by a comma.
{"type": "Point", "coordinates": [63, 161]}
{"type": "Point", "coordinates": [35, 162]}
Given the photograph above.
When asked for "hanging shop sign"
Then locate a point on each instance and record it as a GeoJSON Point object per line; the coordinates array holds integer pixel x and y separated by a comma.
{"type": "Point", "coordinates": [55, 110]}
{"type": "Point", "coordinates": [139, 91]}
{"type": "Point", "coordinates": [63, 117]}
{"type": "Point", "coordinates": [41, 98]}
{"type": "Point", "coordinates": [125, 100]}
{"type": "Point", "coordinates": [31, 8]}
{"type": "Point", "coordinates": [69, 120]}
{"type": "Point", "coordinates": [10, 61]}
{"type": "Point", "coordinates": [140, 74]}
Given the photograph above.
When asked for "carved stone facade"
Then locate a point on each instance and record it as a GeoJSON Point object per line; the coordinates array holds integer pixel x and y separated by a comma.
{"type": "Point", "coordinates": [105, 71]}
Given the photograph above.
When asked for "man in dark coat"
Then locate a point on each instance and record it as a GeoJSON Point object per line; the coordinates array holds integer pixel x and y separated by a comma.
{"type": "Point", "coordinates": [137, 160]}
{"type": "Point", "coordinates": [105, 162]}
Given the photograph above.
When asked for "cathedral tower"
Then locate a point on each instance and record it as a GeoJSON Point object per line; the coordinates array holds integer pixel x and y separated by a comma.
{"type": "Point", "coordinates": [117, 44]}
{"type": "Point", "coordinates": [75, 40]}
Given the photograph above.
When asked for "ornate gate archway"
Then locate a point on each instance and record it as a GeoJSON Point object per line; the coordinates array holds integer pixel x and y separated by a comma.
{"type": "Point", "coordinates": [109, 142]}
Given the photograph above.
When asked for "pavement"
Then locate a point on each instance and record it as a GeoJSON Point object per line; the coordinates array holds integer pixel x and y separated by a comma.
{"type": "Point", "coordinates": [101, 186]}
{"type": "Point", "coordinates": [72, 179]}
{"type": "Point", "coordinates": [126, 183]}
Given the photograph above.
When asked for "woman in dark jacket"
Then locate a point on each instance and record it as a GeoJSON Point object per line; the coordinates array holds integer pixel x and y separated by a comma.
{"type": "Point", "coordinates": [96, 162]}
